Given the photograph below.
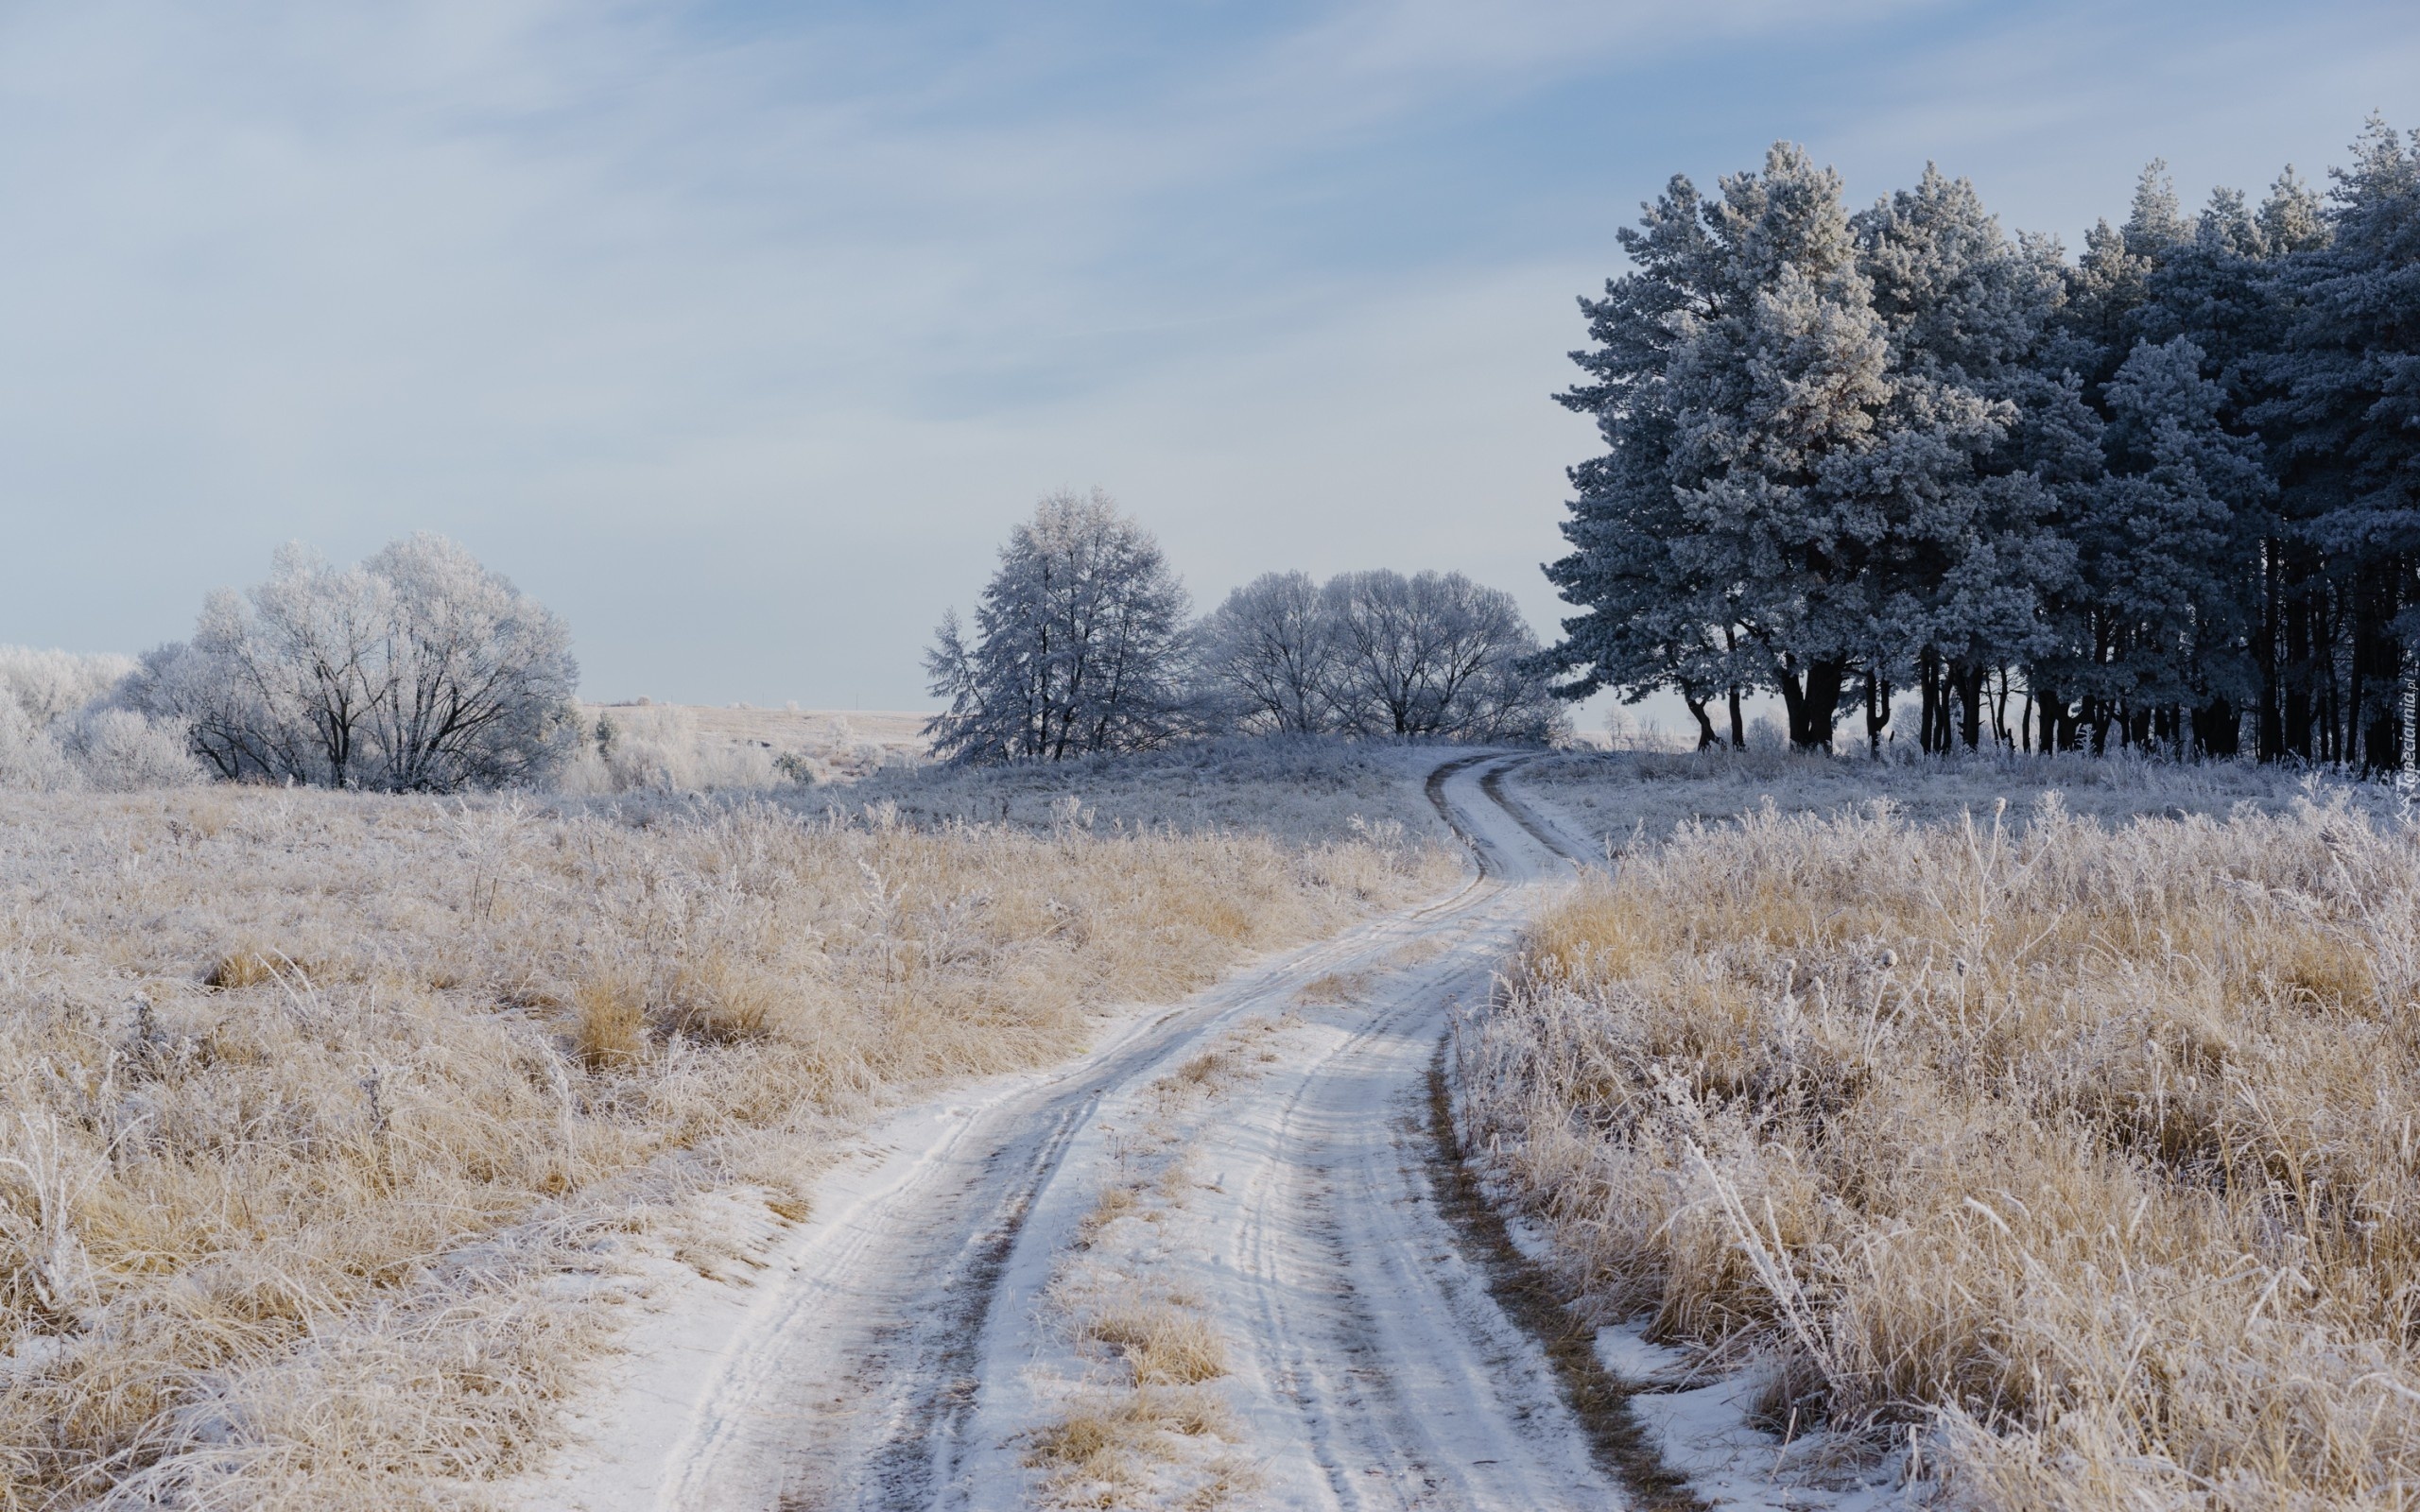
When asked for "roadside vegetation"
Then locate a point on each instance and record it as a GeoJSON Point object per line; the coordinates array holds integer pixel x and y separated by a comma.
{"type": "Point", "coordinates": [1619, 799]}
{"type": "Point", "coordinates": [2076, 1157]}
{"type": "Point", "coordinates": [327, 1114]}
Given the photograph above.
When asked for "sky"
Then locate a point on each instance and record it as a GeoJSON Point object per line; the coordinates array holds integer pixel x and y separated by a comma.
{"type": "Point", "coordinates": [740, 334]}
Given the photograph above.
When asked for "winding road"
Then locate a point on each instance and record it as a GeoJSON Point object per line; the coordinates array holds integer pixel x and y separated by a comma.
{"type": "Point", "coordinates": [1387, 1348]}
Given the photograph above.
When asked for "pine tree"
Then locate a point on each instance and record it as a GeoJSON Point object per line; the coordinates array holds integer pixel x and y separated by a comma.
{"type": "Point", "coordinates": [2346, 432]}
{"type": "Point", "coordinates": [1653, 615]}
{"type": "Point", "coordinates": [1781, 503]}
{"type": "Point", "coordinates": [1967, 310]}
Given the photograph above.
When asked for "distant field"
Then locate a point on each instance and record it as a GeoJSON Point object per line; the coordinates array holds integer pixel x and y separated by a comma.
{"type": "Point", "coordinates": [789, 728]}
{"type": "Point", "coordinates": [701, 746]}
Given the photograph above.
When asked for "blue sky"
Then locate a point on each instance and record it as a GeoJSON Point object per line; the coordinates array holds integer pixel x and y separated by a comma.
{"type": "Point", "coordinates": [741, 333]}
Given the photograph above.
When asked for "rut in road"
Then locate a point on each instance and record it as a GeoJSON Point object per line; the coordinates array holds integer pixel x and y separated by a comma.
{"type": "Point", "coordinates": [1385, 1348]}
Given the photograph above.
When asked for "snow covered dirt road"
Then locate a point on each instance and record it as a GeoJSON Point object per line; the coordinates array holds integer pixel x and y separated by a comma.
{"type": "Point", "coordinates": [934, 1335]}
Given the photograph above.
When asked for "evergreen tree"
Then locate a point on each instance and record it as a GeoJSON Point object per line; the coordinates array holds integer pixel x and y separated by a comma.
{"type": "Point", "coordinates": [2173, 490]}
{"type": "Point", "coordinates": [1775, 486]}
{"type": "Point", "coordinates": [1967, 310]}
{"type": "Point", "coordinates": [1655, 614]}
{"type": "Point", "coordinates": [2346, 431]}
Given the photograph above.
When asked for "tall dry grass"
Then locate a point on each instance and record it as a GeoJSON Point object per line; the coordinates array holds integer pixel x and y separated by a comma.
{"type": "Point", "coordinates": [1623, 796]}
{"type": "Point", "coordinates": [2087, 1156]}
{"type": "Point", "coordinates": [321, 1114]}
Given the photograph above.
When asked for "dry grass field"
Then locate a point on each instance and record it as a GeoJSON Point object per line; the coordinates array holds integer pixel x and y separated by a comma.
{"type": "Point", "coordinates": [1620, 797]}
{"type": "Point", "coordinates": [322, 1115]}
{"type": "Point", "coordinates": [698, 748]}
{"type": "Point", "coordinates": [2082, 1158]}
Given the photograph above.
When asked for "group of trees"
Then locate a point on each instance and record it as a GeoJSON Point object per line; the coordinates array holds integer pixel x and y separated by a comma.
{"type": "Point", "coordinates": [1373, 654]}
{"type": "Point", "coordinates": [2166, 495]}
{"type": "Point", "coordinates": [419, 670]}
{"type": "Point", "coordinates": [1083, 643]}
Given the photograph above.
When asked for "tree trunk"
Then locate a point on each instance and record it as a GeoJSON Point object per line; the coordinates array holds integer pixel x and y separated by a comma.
{"type": "Point", "coordinates": [1705, 726]}
{"type": "Point", "coordinates": [1820, 705]}
{"type": "Point", "coordinates": [2271, 737]}
{"type": "Point", "coordinates": [1878, 712]}
{"type": "Point", "coordinates": [1738, 719]}
{"type": "Point", "coordinates": [1929, 717]}
{"type": "Point", "coordinates": [1968, 681]}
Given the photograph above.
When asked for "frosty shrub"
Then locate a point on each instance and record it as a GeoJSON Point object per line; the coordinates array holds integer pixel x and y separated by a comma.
{"type": "Point", "coordinates": [59, 729]}
{"type": "Point", "coordinates": [418, 670]}
{"type": "Point", "coordinates": [659, 749]}
{"type": "Point", "coordinates": [51, 685]}
{"type": "Point", "coordinates": [30, 760]}
{"type": "Point", "coordinates": [118, 750]}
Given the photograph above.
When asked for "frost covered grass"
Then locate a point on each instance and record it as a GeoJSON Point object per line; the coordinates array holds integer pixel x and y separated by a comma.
{"type": "Point", "coordinates": [1619, 796]}
{"type": "Point", "coordinates": [322, 1115]}
{"type": "Point", "coordinates": [654, 748]}
{"type": "Point", "coordinates": [2082, 1158]}
{"type": "Point", "coordinates": [1307, 788]}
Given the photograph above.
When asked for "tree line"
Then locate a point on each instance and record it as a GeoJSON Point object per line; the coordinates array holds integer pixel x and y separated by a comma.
{"type": "Point", "coordinates": [2166, 495]}
{"type": "Point", "coordinates": [1083, 643]}
{"type": "Point", "coordinates": [419, 669]}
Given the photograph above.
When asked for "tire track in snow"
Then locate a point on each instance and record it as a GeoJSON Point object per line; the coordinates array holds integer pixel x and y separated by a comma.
{"type": "Point", "coordinates": [1380, 1368]}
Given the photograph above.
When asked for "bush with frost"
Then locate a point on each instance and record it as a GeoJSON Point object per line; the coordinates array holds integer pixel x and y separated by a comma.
{"type": "Point", "coordinates": [50, 685]}
{"type": "Point", "coordinates": [29, 759]}
{"type": "Point", "coordinates": [419, 670]}
{"type": "Point", "coordinates": [659, 748]}
{"type": "Point", "coordinates": [120, 751]}
{"type": "Point", "coordinates": [59, 731]}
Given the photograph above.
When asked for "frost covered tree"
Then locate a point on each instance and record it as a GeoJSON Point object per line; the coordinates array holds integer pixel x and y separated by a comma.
{"type": "Point", "coordinates": [1268, 656]}
{"type": "Point", "coordinates": [2170, 492]}
{"type": "Point", "coordinates": [1433, 656]}
{"type": "Point", "coordinates": [59, 728]}
{"type": "Point", "coordinates": [1078, 647]}
{"type": "Point", "coordinates": [1656, 613]}
{"type": "Point", "coordinates": [1775, 474]}
{"type": "Point", "coordinates": [419, 670]}
{"type": "Point", "coordinates": [2343, 425]}
{"type": "Point", "coordinates": [1969, 556]}
{"type": "Point", "coordinates": [2154, 625]}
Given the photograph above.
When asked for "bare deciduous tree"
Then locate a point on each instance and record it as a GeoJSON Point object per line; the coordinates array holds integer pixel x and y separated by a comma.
{"type": "Point", "coordinates": [1078, 646]}
{"type": "Point", "coordinates": [419, 670]}
{"type": "Point", "coordinates": [1269, 655]}
{"type": "Point", "coordinates": [1433, 655]}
